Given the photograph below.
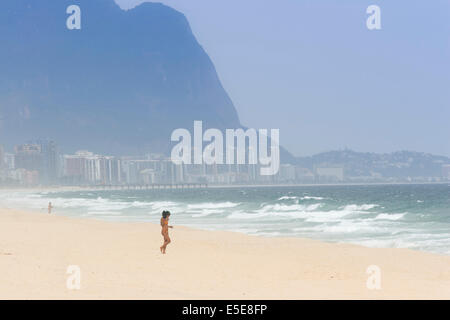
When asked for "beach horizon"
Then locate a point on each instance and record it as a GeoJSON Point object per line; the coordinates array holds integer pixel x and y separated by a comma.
{"type": "Point", "coordinates": [121, 260]}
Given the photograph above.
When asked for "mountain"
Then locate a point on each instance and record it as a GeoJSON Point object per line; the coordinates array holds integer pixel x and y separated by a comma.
{"type": "Point", "coordinates": [120, 85]}
{"type": "Point", "coordinates": [401, 164]}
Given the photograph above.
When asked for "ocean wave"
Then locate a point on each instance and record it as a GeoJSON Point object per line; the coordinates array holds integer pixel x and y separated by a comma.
{"type": "Point", "coordinates": [71, 203]}
{"type": "Point", "coordinates": [327, 216]}
{"type": "Point", "coordinates": [345, 227]}
{"type": "Point", "coordinates": [159, 205]}
{"type": "Point", "coordinates": [285, 207]}
{"type": "Point", "coordinates": [267, 214]}
{"type": "Point", "coordinates": [140, 204]}
{"type": "Point", "coordinates": [309, 213]}
{"type": "Point", "coordinates": [356, 207]}
{"type": "Point", "coordinates": [212, 205]}
{"type": "Point", "coordinates": [206, 212]}
{"type": "Point", "coordinates": [276, 212]}
{"type": "Point", "coordinates": [387, 216]}
{"type": "Point", "coordinates": [103, 213]}
{"type": "Point", "coordinates": [301, 198]}
{"type": "Point", "coordinates": [287, 198]}
{"type": "Point", "coordinates": [97, 204]}
{"type": "Point", "coordinates": [311, 198]}
{"type": "Point", "coordinates": [386, 243]}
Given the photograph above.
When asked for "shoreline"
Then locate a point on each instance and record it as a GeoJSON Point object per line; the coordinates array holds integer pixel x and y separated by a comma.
{"type": "Point", "coordinates": [122, 261]}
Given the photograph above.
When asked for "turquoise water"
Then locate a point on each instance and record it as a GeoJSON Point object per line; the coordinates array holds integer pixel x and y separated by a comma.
{"type": "Point", "coordinates": [403, 216]}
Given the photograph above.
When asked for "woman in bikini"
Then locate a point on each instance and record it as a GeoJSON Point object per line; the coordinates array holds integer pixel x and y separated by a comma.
{"type": "Point", "coordinates": [165, 230]}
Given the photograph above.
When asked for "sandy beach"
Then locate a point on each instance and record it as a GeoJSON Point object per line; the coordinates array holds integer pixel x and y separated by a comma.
{"type": "Point", "coordinates": [123, 261]}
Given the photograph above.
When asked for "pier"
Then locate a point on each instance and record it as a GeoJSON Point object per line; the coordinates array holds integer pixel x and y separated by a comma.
{"type": "Point", "coordinates": [151, 186]}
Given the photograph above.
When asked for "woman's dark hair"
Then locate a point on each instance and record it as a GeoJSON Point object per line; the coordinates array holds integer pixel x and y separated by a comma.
{"type": "Point", "coordinates": [165, 214]}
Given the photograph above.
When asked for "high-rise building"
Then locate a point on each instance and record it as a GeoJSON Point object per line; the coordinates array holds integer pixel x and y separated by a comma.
{"type": "Point", "coordinates": [152, 170]}
{"type": "Point", "coordinates": [29, 157]}
{"type": "Point", "coordinates": [286, 173]}
{"type": "Point", "coordinates": [25, 177]}
{"type": "Point", "coordinates": [41, 157]}
{"type": "Point", "coordinates": [111, 170]}
{"type": "Point", "coordinates": [2, 158]}
{"type": "Point", "coordinates": [74, 167]}
{"type": "Point", "coordinates": [86, 167]}
{"type": "Point", "coordinates": [446, 171]}
{"type": "Point", "coordinates": [9, 161]}
{"type": "Point", "coordinates": [49, 170]}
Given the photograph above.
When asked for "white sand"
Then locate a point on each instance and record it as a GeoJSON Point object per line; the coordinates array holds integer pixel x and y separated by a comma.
{"type": "Point", "coordinates": [122, 261]}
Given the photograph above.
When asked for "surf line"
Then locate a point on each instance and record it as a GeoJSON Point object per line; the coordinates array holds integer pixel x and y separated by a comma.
{"type": "Point", "coordinates": [256, 152]}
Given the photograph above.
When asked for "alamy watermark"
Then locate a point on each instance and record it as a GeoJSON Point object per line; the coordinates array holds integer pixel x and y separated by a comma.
{"type": "Point", "coordinates": [74, 279]}
{"type": "Point", "coordinates": [73, 22]}
{"type": "Point", "coordinates": [237, 151]}
{"type": "Point", "coordinates": [373, 22]}
{"type": "Point", "coordinates": [374, 280]}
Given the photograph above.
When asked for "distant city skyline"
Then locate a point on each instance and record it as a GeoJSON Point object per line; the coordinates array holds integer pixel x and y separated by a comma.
{"type": "Point", "coordinates": [313, 70]}
{"type": "Point", "coordinates": [41, 163]}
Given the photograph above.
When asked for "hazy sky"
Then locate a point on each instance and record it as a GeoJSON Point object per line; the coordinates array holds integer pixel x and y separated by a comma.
{"type": "Point", "coordinates": [314, 70]}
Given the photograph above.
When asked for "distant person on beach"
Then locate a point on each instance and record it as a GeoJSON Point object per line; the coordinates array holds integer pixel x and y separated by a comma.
{"type": "Point", "coordinates": [50, 207]}
{"type": "Point", "coordinates": [165, 230]}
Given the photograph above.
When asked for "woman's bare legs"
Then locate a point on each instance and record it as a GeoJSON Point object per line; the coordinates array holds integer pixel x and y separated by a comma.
{"type": "Point", "coordinates": [164, 246]}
